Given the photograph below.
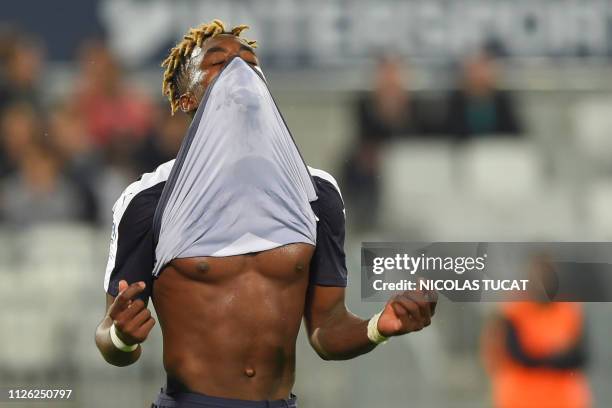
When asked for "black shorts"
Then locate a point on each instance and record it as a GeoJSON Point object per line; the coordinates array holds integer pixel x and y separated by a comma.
{"type": "Point", "coordinates": [195, 400]}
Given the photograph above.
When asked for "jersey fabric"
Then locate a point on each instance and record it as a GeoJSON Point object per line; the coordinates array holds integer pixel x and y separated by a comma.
{"type": "Point", "coordinates": [132, 253]}
{"type": "Point", "coordinates": [239, 184]}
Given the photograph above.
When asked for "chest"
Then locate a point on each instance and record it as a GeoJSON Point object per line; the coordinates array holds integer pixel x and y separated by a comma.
{"type": "Point", "coordinates": [286, 264]}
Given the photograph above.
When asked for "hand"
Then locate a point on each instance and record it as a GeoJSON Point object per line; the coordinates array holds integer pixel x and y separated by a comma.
{"type": "Point", "coordinates": [407, 312]}
{"type": "Point", "coordinates": [132, 319]}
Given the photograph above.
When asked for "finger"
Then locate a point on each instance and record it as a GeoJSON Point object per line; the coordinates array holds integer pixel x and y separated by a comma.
{"type": "Point", "coordinates": [398, 309]}
{"type": "Point", "coordinates": [143, 331]}
{"type": "Point", "coordinates": [132, 310]}
{"type": "Point", "coordinates": [132, 291]}
{"type": "Point", "coordinates": [411, 308]}
{"type": "Point", "coordinates": [123, 299]}
{"type": "Point", "coordinates": [123, 285]}
{"type": "Point", "coordinates": [128, 328]}
{"type": "Point", "coordinates": [406, 323]}
{"type": "Point", "coordinates": [434, 301]}
{"type": "Point", "coordinates": [430, 295]}
{"type": "Point", "coordinates": [421, 299]}
{"type": "Point", "coordinates": [425, 308]}
{"type": "Point", "coordinates": [402, 315]}
{"type": "Point", "coordinates": [140, 319]}
{"type": "Point", "coordinates": [421, 284]}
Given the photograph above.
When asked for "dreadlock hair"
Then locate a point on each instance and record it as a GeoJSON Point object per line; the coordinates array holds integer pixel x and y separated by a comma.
{"type": "Point", "coordinates": [177, 62]}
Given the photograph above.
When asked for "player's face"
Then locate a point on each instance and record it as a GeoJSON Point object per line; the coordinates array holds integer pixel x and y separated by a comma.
{"type": "Point", "coordinates": [209, 61]}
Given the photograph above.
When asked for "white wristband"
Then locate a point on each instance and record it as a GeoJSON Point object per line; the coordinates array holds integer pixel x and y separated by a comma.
{"type": "Point", "coordinates": [373, 333]}
{"type": "Point", "coordinates": [117, 342]}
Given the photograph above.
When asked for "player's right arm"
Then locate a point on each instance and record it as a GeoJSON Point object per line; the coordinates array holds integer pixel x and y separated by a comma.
{"type": "Point", "coordinates": [130, 319]}
{"type": "Point", "coordinates": [128, 281]}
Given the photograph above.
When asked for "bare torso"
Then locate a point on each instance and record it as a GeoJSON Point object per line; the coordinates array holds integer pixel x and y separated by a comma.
{"type": "Point", "coordinates": [230, 324]}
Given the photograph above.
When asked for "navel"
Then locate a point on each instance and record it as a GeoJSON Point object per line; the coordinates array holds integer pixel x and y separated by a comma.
{"type": "Point", "coordinates": [299, 267]}
{"type": "Point", "coordinates": [249, 372]}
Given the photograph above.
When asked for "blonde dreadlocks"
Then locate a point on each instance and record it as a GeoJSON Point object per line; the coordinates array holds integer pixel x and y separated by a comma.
{"type": "Point", "coordinates": [177, 62]}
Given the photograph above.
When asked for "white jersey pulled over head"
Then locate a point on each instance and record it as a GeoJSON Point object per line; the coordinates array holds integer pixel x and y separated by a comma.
{"type": "Point", "coordinates": [239, 183]}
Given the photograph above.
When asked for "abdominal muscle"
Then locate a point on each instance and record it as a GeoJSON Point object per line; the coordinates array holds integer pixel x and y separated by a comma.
{"type": "Point", "coordinates": [230, 324]}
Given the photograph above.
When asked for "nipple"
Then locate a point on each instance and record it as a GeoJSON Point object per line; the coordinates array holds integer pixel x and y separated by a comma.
{"type": "Point", "coordinates": [202, 267]}
{"type": "Point", "coordinates": [249, 372]}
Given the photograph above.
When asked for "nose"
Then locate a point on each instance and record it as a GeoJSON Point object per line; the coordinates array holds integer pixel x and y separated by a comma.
{"type": "Point", "coordinates": [244, 91]}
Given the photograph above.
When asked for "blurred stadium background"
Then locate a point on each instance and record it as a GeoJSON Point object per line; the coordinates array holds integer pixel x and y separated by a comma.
{"type": "Point", "coordinates": [464, 120]}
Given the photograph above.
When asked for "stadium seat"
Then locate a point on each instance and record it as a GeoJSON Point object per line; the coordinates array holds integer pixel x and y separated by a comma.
{"type": "Point", "coordinates": [29, 330]}
{"type": "Point", "coordinates": [597, 201]}
{"type": "Point", "coordinates": [592, 120]}
{"type": "Point", "coordinates": [502, 171]}
{"type": "Point", "coordinates": [415, 178]}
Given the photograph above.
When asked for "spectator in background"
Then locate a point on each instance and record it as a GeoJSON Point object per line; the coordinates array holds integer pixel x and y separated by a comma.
{"type": "Point", "coordinates": [37, 192]}
{"type": "Point", "coordinates": [117, 116]}
{"type": "Point", "coordinates": [81, 163]}
{"type": "Point", "coordinates": [480, 107]}
{"type": "Point", "coordinates": [535, 352]}
{"type": "Point", "coordinates": [387, 113]}
{"type": "Point", "coordinates": [20, 126]}
{"type": "Point", "coordinates": [22, 61]}
{"type": "Point", "coordinates": [164, 143]}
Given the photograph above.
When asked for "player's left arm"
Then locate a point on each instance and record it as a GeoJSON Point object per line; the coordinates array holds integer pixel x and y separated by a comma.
{"type": "Point", "coordinates": [337, 334]}
{"type": "Point", "coordinates": [334, 332]}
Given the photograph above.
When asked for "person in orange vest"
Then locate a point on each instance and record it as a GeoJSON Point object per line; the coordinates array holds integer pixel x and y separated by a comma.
{"type": "Point", "coordinates": [535, 352]}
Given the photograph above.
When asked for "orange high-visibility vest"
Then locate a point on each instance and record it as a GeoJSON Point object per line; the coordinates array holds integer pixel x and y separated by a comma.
{"type": "Point", "coordinates": [542, 330]}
